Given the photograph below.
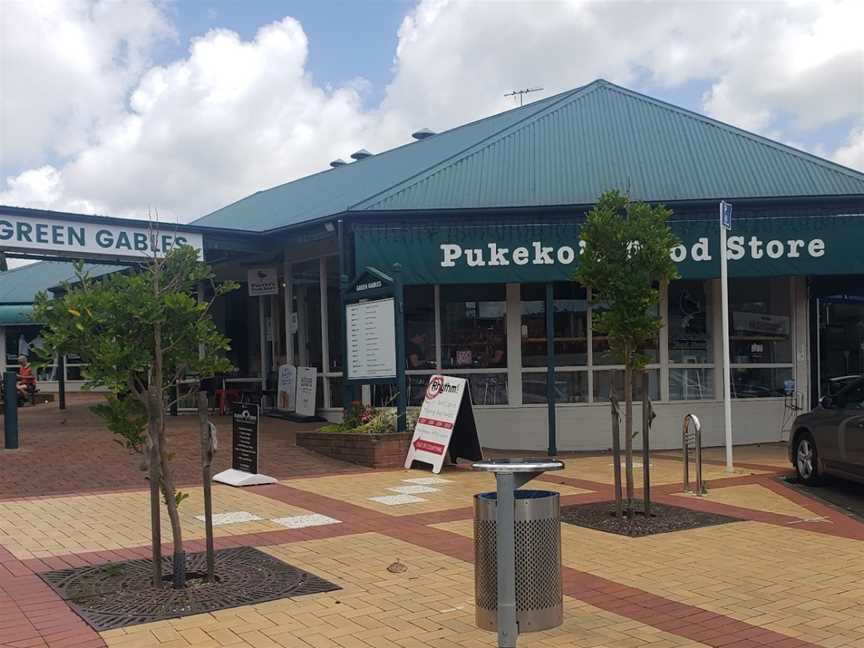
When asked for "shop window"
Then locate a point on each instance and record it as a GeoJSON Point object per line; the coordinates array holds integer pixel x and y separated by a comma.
{"type": "Point", "coordinates": [570, 387]}
{"type": "Point", "coordinates": [690, 327]}
{"type": "Point", "coordinates": [761, 382]}
{"type": "Point", "coordinates": [473, 326]}
{"type": "Point", "coordinates": [570, 323]}
{"type": "Point", "coordinates": [488, 388]}
{"type": "Point", "coordinates": [602, 353]}
{"type": "Point", "coordinates": [691, 383]}
{"type": "Point", "coordinates": [760, 322]}
{"type": "Point", "coordinates": [419, 309]}
{"type": "Point", "coordinates": [614, 379]}
{"type": "Point", "coordinates": [307, 289]}
{"type": "Point", "coordinates": [690, 335]}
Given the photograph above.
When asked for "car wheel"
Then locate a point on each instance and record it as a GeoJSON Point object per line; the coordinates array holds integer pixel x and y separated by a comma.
{"type": "Point", "coordinates": [806, 459]}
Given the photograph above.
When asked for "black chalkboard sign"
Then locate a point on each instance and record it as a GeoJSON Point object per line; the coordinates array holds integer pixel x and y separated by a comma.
{"type": "Point", "coordinates": [244, 438]}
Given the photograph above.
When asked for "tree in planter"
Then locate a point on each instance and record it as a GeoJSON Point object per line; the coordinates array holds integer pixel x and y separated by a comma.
{"type": "Point", "coordinates": [626, 256]}
{"type": "Point", "coordinates": [140, 333]}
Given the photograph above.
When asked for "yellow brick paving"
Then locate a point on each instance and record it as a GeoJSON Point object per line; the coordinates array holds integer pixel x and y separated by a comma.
{"type": "Point", "coordinates": [768, 454]}
{"type": "Point", "coordinates": [429, 605]}
{"type": "Point", "coordinates": [795, 582]}
{"type": "Point", "coordinates": [38, 528]}
{"type": "Point", "coordinates": [456, 493]}
{"type": "Point", "coordinates": [663, 471]}
{"type": "Point", "coordinates": [758, 498]}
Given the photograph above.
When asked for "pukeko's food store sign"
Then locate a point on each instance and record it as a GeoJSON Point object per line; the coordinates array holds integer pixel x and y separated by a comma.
{"type": "Point", "coordinates": [541, 252]}
{"type": "Point", "coordinates": [84, 239]}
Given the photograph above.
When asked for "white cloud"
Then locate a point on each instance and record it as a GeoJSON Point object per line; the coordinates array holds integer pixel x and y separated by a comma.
{"type": "Point", "coordinates": [65, 68]}
{"type": "Point", "coordinates": [236, 116]}
{"type": "Point", "coordinates": [852, 154]}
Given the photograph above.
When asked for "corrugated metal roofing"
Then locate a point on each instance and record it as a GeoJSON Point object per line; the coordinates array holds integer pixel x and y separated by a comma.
{"type": "Point", "coordinates": [563, 150]}
{"type": "Point", "coordinates": [335, 190]}
{"type": "Point", "coordinates": [20, 285]}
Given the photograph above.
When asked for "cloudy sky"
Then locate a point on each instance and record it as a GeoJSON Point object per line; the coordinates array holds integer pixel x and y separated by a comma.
{"type": "Point", "coordinates": [117, 106]}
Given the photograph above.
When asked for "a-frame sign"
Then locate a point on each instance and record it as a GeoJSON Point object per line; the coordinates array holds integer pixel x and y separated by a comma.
{"type": "Point", "coordinates": [375, 334]}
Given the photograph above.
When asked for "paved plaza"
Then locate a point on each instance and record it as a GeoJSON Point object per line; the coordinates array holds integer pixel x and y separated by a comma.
{"type": "Point", "coordinates": [790, 574]}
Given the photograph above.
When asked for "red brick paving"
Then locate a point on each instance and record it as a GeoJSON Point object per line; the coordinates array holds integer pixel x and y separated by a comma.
{"type": "Point", "coordinates": [70, 452]}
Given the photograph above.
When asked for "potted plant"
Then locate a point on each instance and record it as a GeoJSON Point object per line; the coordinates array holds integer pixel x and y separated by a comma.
{"type": "Point", "coordinates": [367, 436]}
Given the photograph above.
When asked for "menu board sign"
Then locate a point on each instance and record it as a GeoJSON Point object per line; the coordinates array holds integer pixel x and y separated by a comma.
{"type": "Point", "coordinates": [371, 332]}
{"type": "Point", "coordinates": [446, 422]}
{"type": "Point", "coordinates": [244, 438]}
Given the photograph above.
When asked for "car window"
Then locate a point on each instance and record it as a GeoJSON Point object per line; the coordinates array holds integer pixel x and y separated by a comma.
{"type": "Point", "coordinates": [853, 397]}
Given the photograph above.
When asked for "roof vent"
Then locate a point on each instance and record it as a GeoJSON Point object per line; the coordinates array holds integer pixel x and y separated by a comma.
{"type": "Point", "coordinates": [338, 162]}
{"type": "Point", "coordinates": [422, 134]}
{"type": "Point", "coordinates": [362, 154]}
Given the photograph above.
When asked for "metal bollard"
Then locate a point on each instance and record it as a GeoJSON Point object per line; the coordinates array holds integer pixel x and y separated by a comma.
{"type": "Point", "coordinates": [10, 422]}
{"type": "Point", "coordinates": [685, 444]}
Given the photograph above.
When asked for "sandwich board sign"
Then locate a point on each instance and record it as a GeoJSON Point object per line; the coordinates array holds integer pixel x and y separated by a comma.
{"type": "Point", "coordinates": [307, 383]}
{"type": "Point", "coordinates": [244, 449]}
{"type": "Point", "coordinates": [286, 390]}
{"type": "Point", "coordinates": [446, 422]}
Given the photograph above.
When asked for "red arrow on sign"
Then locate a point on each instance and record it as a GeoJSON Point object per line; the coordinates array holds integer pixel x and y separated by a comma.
{"type": "Point", "coordinates": [429, 446]}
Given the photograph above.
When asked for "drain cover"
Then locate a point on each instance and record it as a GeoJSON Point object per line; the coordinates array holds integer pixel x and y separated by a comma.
{"type": "Point", "coordinates": [120, 594]}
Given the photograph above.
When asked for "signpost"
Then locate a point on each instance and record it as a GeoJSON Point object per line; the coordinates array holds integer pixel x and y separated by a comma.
{"type": "Point", "coordinates": [375, 335]}
{"type": "Point", "coordinates": [244, 449]}
{"type": "Point", "coordinates": [725, 225]}
{"type": "Point", "coordinates": [446, 422]}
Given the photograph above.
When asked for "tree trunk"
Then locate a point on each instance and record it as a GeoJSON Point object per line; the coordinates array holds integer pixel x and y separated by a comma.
{"type": "Point", "coordinates": [207, 450]}
{"type": "Point", "coordinates": [616, 452]}
{"type": "Point", "coordinates": [170, 494]}
{"type": "Point", "coordinates": [154, 466]}
{"type": "Point", "coordinates": [646, 446]}
{"type": "Point", "coordinates": [628, 429]}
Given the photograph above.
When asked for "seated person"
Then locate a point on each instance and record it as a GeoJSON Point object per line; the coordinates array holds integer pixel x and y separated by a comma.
{"type": "Point", "coordinates": [26, 380]}
{"type": "Point", "coordinates": [416, 351]}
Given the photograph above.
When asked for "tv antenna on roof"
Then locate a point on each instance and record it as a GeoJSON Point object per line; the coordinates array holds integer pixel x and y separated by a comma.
{"type": "Point", "coordinates": [521, 93]}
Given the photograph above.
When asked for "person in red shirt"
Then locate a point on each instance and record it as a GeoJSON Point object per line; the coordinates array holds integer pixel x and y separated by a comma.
{"type": "Point", "coordinates": [26, 379]}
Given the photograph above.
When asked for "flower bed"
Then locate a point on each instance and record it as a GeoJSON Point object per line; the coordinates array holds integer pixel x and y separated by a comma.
{"type": "Point", "coordinates": [367, 437]}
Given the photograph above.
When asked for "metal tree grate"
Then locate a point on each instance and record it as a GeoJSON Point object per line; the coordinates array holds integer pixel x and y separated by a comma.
{"type": "Point", "coordinates": [120, 594]}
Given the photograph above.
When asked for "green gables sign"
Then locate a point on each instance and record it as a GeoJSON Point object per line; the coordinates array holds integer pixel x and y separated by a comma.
{"type": "Point", "coordinates": [550, 252]}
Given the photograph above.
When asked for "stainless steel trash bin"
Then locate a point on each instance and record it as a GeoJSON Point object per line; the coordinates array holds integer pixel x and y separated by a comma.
{"type": "Point", "coordinates": [539, 596]}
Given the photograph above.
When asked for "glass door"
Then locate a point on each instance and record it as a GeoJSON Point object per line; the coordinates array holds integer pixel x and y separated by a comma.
{"type": "Point", "coordinates": [841, 341]}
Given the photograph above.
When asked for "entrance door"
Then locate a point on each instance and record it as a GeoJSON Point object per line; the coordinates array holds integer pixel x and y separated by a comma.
{"type": "Point", "coordinates": [841, 341]}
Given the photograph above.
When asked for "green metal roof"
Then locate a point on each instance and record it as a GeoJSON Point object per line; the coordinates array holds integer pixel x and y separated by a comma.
{"type": "Point", "coordinates": [563, 150]}
{"type": "Point", "coordinates": [20, 285]}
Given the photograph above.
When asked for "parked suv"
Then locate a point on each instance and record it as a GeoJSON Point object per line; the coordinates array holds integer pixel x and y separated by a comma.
{"type": "Point", "coordinates": [830, 439]}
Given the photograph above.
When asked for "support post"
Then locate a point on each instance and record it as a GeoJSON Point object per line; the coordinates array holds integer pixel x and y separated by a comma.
{"type": "Point", "coordinates": [550, 368]}
{"type": "Point", "coordinates": [646, 446]}
{"type": "Point", "coordinates": [61, 381]}
{"type": "Point", "coordinates": [175, 399]}
{"type": "Point", "coordinates": [401, 383]}
{"type": "Point", "coordinates": [10, 422]}
{"type": "Point", "coordinates": [505, 522]}
{"type": "Point", "coordinates": [347, 389]}
{"type": "Point", "coordinates": [727, 372]}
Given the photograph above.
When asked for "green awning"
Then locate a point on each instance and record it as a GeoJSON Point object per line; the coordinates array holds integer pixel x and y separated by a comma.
{"type": "Point", "coordinates": [541, 252]}
{"type": "Point", "coordinates": [15, 314]}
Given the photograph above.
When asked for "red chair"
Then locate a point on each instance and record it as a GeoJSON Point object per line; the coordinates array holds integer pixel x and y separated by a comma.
{"type": "Point", "coordinates": [225, 398]}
